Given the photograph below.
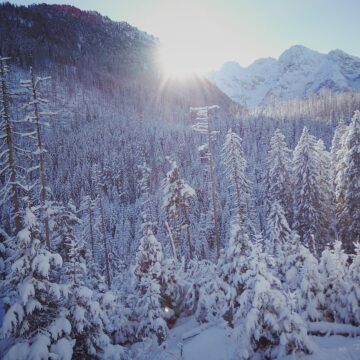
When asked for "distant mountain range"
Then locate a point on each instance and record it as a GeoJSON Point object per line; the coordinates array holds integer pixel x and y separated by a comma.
{"type": "Point", "coordinates": [115, 57]}
{"type": "Point", "coordinates": [298, 73]}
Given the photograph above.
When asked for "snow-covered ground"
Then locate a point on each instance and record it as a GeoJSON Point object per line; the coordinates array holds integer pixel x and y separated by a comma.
{"type": "Point", "coordinates": [190, 341]}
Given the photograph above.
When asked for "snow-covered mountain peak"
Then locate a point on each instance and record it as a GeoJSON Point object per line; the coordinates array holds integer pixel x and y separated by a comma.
{"type": "Point", "coordinates": [231, 67]}
{"type": "Point", "coordinates": [298, 73]}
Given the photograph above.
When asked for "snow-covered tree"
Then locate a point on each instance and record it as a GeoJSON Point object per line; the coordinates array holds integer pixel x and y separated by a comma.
{"type": "Point", "coordinates": [353, 294]}
{"type": "Point", "coordinates": [326, 197]}
{"type": "Point", "coordinates": [232, 266]}
{"type": "Point", "coordinates": [149, 310]}
{"type": "Point", "coordinates": [337, 149]}
{"type": "Point", "coordinates": [348, 212]}
{"type": "Point", "coordinates": [307, 202]}
{"type": "Point", "coordinates": [302, 277]}
{"type": "Point", "coordinates": [278, 234]}
{"type": "Point", "coordinates": [64, 221]}
{"type": "Point", "coordinates": [98, 190]}
{"type": "Point", "coordinates": [334, 267]}
{"type": "Point", "coordinates": [265, 321]}
{"type": "Point", "coordinates": [89, 229]}
{"type": "Point", "coordinates": [172, 288]}
{"type": "Point", "coordinates": [177, 199]}
{"type": "Point", "coordinates": [234, 164]}
{"type": "Point", "coordinates": [149, 307]}
{"type": "Point", "coordinates": [35, 319]}
{"type": "Point", "coordinates": [86, 313]}
{"type": "Point", "coordinates": [278, 182]}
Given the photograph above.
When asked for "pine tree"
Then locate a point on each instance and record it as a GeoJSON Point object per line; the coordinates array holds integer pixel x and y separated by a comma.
{"type": "Point", "coordinates": [353, 293]}
{"type": "Point", "coordinates": [177, 198]}
{"type": "Point", "coordinates": [98, 189]}
{"type": "Point", "coordinates": [147, 273]}
{"type": "Point", "coordinates": [86, 313]}
{"type": "Point", "coordinates": [231, 267]}
{"type": "Point", "coordinates": [9, 168]}
{"type": "Point", "coordinates": [265, 321]}
{"type": "Point", "coordinates": [65, 220]}
{"type": "Point", "coordinates": [35, 318]}
{"type": "Point", "coordinates": [172, 288]}
{"type": "Point", "coordinates": [307, 202]}
{"type": "Point", "coordinates": [334, 267]}
{"type": "Point", "coordinates": [337, 147]}
{"type": "Point", "coordinates": [304, 280]}
{"type": "Point", "coordinates": [89, 231]}
{"type": "Point", "coordinates": [278, 234]}
{"type": "Point", "coordinates": [326, 197]}
{"type": "Point", "coordinates": [278, 182]}
{"type": "Point", "coordinates": [348, 213]}
{"type": "Point", "coordinates": [212, 300]}
{"type": "Point", "coordinates": [234, 164]}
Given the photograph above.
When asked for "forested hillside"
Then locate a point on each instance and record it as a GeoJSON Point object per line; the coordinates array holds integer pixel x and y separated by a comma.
{"type": "Point", "coordinates": [130, 201]}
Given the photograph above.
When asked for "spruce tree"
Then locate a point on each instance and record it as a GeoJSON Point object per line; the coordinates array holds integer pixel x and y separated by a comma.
{"type": "Point", "coordinates": [278, 181]}
{"type": "Point", "coordinates": [36, 318]}
{"type": "Point", "coordinates": [353, 293]}
{"type": "Point", "coordinates": [234, 165]}
{"type": "Point", "coordinates": [334, 267]}
{"type": "Point", "coordinates": [86, 313]}
{"type": "Point", "coordinates": [348, 213]}
{"type": "Point", "coordinates": [265, 321]}
{"type": "Point", "coordinates": [177, 198]}
{"type": "Point", "coordinates": [147, 272]}
{"type": "Point", "coordinates": [307, 201]}
{"type": "Point", "coordinates": [278, 235]}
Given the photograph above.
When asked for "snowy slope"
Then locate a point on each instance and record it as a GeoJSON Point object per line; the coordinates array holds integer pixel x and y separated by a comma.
{"type": "Point", "coordinates": [299, 72]}
{"type": "Point", "coordinates": [190, 341]}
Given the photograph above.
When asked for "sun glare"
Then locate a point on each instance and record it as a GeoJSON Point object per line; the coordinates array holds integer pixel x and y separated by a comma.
{"type": "Point", "coordinates": [176, 62]}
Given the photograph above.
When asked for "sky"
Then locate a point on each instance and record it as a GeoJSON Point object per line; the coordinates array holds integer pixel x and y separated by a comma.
{"type": "Point", "coordinates": [201, 35]}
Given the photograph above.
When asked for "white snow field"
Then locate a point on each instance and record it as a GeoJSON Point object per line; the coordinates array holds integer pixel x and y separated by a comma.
{"type": "Point", "coordinates": [189, 340]}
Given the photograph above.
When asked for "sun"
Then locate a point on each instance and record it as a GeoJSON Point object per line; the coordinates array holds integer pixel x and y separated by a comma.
{"type": "Point", "coordinates": [175, 61]}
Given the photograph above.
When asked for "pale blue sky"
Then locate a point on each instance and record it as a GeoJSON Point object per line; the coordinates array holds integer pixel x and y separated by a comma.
{"type": "Point", "coordinates": [214, 31]}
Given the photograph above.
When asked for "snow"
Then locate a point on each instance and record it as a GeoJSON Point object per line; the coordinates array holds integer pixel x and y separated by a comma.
{"type": "Point", "coordinates": [39, 348]}
{"type": "Point", "coordinates": [18, 352]}
{"type": "Point", "coordinates": [298, 73]}
{"type": "Point", "coordinates": [26, 290]}
{"type": "Point", "coordinates": [211, 344]}
{"type": "Point", "coordinates": [63, 349]}
{"type": "Point", "coordinates": [217, 342]}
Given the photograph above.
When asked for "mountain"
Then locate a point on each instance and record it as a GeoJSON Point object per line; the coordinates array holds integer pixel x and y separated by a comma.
{"type": "Point", "coordinates": [298, 73]}
{"type": "Point", "coordinates": [85, 47]}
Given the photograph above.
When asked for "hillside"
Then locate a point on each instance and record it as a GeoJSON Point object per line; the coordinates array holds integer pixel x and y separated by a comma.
{"type": "Point", "coordinates": [84, 46]}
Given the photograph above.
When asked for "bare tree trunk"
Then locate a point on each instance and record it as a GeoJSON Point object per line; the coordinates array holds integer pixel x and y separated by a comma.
{"type": "Point", "coordinates": [41, 150]}
{"type": "Point", "coordinates": [8, 136]}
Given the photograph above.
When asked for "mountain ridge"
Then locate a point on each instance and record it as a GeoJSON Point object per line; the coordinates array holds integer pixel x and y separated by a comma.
{"type": "Point", "coordinates": [86, 47]}
{"type": "Point", "coordinates": [299, 72]}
